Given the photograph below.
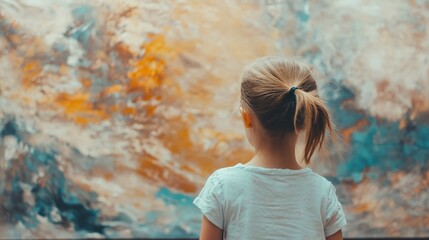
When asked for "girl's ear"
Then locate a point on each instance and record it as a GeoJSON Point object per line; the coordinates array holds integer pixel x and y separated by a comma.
{"type": "Point", "coordinates": [247, 120]}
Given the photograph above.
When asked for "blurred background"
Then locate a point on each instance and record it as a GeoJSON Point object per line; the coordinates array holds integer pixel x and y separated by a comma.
{"type": "Point", "coordinates": [113, 113]}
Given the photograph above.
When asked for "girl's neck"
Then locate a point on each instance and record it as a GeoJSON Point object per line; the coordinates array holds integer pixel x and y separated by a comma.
{"type": "Point", "coordinates": [280, 156]}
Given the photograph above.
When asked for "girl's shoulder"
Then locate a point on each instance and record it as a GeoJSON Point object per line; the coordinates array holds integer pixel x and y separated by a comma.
{"type": "Point", "coordinates": [223, 174]}
{"type": "Point", "coordinates": [228, 177]}
{"type": "Point", "coordinates": [240, 174]}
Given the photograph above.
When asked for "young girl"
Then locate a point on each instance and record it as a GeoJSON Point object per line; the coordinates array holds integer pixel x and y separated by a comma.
{"type": "Point", "coordinates": [272, 196]}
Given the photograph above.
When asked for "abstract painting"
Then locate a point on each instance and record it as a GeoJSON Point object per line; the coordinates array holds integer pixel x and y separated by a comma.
{"type": "Point", "coordinates": [113, 113]}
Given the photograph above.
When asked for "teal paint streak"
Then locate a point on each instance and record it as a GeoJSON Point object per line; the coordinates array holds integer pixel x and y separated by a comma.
{"type": "Point", "coordinates": [303, 16]}
{"type": "Point", "coordinates": [54, 193]}
{"type": "Point", "coordinates": [85, 15]}
{"type": "Point", "coordinates": [382, 146]}
{"type": "Point", "coordinates": [185, 212]}
{"type": "Point", "coordinates": [171, 198]}
{"type": "Point", "coordinates": [335, 97]}
{"type": "Point", "coordinates": [379, 147]}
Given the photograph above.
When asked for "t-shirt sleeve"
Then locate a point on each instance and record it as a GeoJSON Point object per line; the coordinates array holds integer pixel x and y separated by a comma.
{"type": "Point", "coordinates": [210, 200]}
{"type": "Point", "coordinates": [334, 219]}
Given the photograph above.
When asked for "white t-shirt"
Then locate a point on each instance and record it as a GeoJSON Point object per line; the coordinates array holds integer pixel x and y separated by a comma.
{"type": "Point", "coordinates": [261, 203]}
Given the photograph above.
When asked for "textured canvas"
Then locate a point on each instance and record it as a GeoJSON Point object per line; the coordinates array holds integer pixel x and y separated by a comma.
{"type": "Point", "coordinates": [113, 113]}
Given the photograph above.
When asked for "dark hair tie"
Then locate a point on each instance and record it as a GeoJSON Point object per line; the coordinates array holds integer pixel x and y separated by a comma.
{"type": "Point", "coordinates": [290, 96]}
{"type": "Point", "coordinates": [292, 89]}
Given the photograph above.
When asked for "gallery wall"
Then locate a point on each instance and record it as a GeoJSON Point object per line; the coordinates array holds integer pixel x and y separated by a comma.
{"type": "Point", "coordinates": [113, 113]}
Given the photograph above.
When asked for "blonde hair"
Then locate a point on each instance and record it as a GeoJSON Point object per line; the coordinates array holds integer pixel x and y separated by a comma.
{"type": "Point", "coordinates": [266, 89]}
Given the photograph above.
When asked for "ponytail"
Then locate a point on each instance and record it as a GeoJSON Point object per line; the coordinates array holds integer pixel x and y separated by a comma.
{"type": "Point", "coordinates": [283, 95]}
{"type": "Point", "coordinates": [312, 115]}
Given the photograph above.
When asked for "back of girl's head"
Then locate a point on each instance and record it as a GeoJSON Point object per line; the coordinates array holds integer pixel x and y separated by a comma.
{"type": "Point", "coordinates": [283, 94]}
